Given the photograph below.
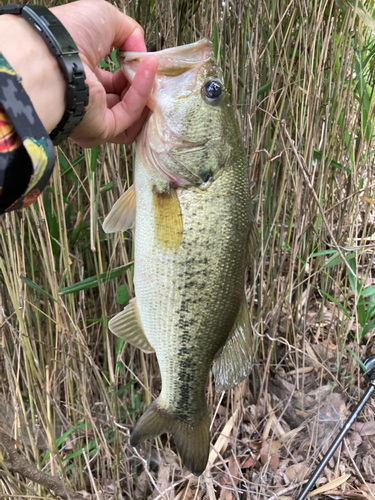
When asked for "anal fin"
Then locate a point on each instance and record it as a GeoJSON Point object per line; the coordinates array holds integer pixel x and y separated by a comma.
{"type": "Point", "coordinates": [122, 215]}
{"type": "Point", "coordinates": [127, 325]}
{"type": "Point", "coordinates": [233, 364]}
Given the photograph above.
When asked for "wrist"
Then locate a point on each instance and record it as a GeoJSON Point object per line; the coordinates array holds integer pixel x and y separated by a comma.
{"type": "Point", "coordinates": [31, 59]}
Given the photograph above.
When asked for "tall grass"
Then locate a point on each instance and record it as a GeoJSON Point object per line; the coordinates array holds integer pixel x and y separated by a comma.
{"type": "Point", "coordinates": [301, 79]}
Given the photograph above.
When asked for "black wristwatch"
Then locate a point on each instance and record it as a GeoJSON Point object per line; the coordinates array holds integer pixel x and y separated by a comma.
{"type": "Point", "coordinates": [63, 48]}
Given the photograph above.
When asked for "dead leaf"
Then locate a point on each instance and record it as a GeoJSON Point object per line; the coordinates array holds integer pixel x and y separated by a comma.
{"type": "Point", "coordinates": [320, 394]}
{"type": "Point", "coordinates": [368, 463]}
{"type": "Point", "coordinates": [302, 413]}
{"type": "Point", "coordinates": [223, 440]}
{"type": "Point", "coordinates": [248, 462]}
{"type": "Point", "coordinates": [366, 429]}
{"type": "Point", "coordinates": [234, 470]}
{"type": "Point", "coordinates": [85, 494]}
{"type": "Point", "coordinates": [227, 481]}
{"type": "Point", "coordinates": [329, 344]}
{"type": "Point", "coordinates": [143, 488]}
{"type": "Point", "coordinates": [368, 487]}
{"type": "Point", "coordinates": [268, 453]}
{"type": "Point", "coordinates": [227, 495]}
{"type": "Point", "coordinates": [331, 485]}
{"type": "Point", "coordinates": [355, 494]}
{"type": "Point", "coordinates": [355, 440]}
{"type": "Point", "coordinates": [164, 473]}
{"type": "Point", "coordinates": [301, 371]}
{"type": "Point", "coordinates": [312, 357]}
{"type": "Point", "coordinates": [297, 472]}
{"type": "Point", "coordinates": [190, 492]}
{"type": "Point", "coordinates": [222, 410]}
{"type": "Point", "coordinates": [291, 434]}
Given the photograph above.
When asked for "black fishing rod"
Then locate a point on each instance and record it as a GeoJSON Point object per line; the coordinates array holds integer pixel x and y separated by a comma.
{"type": "Point", "coordinates": [369, 374]}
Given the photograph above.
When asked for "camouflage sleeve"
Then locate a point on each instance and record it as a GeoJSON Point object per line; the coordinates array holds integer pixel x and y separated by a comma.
{"type": "Point", "coordinates": [26, 150]}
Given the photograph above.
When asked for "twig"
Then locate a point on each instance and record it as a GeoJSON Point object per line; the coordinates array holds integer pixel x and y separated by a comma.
{"type": "Point", "coordinates": [16, 463]}
{"type": "Point", "coordinates": [92, 481]}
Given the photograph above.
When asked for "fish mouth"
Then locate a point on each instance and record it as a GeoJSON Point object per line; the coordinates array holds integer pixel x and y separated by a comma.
{"type": "Point", "coordinates": [182, 63]}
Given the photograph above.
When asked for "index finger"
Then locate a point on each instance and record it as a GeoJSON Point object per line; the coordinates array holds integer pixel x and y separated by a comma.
{"type": "Point", "coordinates": [135, 42]}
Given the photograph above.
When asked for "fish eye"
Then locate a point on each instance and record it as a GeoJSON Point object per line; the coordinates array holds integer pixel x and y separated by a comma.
{"type": "Point", "coordinates": [212, 90]}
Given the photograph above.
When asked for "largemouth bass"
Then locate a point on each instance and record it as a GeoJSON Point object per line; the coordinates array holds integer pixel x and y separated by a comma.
{"type": "Point", "coordinates": [194, 237]}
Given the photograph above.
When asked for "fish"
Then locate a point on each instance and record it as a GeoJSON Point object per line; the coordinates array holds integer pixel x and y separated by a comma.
{"type": "Point", "coordinates": [195, 236]}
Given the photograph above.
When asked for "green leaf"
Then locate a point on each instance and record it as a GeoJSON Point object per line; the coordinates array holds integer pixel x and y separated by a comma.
{"type": "Point", "coordinates": [361, 315]}
{"type": "Point", "coordinates": [76, 232]}
{"type": "Point", "coordinates": [122, 295]}
{"type": "Point", "coordinates": [93, 281]}
{"type": "Point", "coordinates": [367, 328]}
{"type": "Point", "coordinates": [324, 252]}
{"type": "Point", "coordinates": [341, 5]}
{"type": "Point", "coordinates": [62, 438]}
{"type": "Point", "coordinates": [107, 187]}
{"type": "Point", "coordinates": [94, 153]}
{"type": "Point", "coordinates": [67, 167]}
{"type": "Point", "coordinates": [103, 64]}
{"type": "Point", "coordinates": [264, 89]}
{"type": "Point", "coordinates": [114, 60]}
{"type": "Point", "coordinates": [318, 156]}
{"type": "Point", "coordinates": [340, 306]}
{"type": "Point", "coordinates": [336, 259]}
{"type": "Point", "coordinates": [352, 279]}
{"type": "Point", "coordinates": [92, 445]}
{"type": "Point", "coordinates": [123, 389]}
{"type": "Point", "coordinates": [36, 287]}
{"type": "Point", "coordinates": [368, 292]}
{"type": "Point", "coordinates": [363, 367]}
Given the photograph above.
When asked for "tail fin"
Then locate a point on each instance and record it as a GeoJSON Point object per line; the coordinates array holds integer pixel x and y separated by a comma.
{"type": "Point", "coordinates": [192, 440]}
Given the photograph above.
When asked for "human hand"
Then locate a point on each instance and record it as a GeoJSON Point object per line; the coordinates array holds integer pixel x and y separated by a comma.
{"type": "Point", "coordinates": [116, 109]}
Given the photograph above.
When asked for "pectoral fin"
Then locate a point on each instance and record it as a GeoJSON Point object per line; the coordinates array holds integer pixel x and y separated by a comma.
{"type": "Point", "coordinates": [127, 325]}
{"type": "Point", "coordinates": [233, 364]}
{"type": "Point", "coordinates": [168, 219]}
{"type": "Point", "coordinates": [122, 215]}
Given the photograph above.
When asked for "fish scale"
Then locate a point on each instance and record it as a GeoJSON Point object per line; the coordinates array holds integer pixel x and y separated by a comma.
{"type": "Point", "coordinates": [194, 229]}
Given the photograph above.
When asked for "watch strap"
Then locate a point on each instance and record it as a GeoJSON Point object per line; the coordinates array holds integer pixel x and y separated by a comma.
{"type": "Point", "coordinates": [64, 49]}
